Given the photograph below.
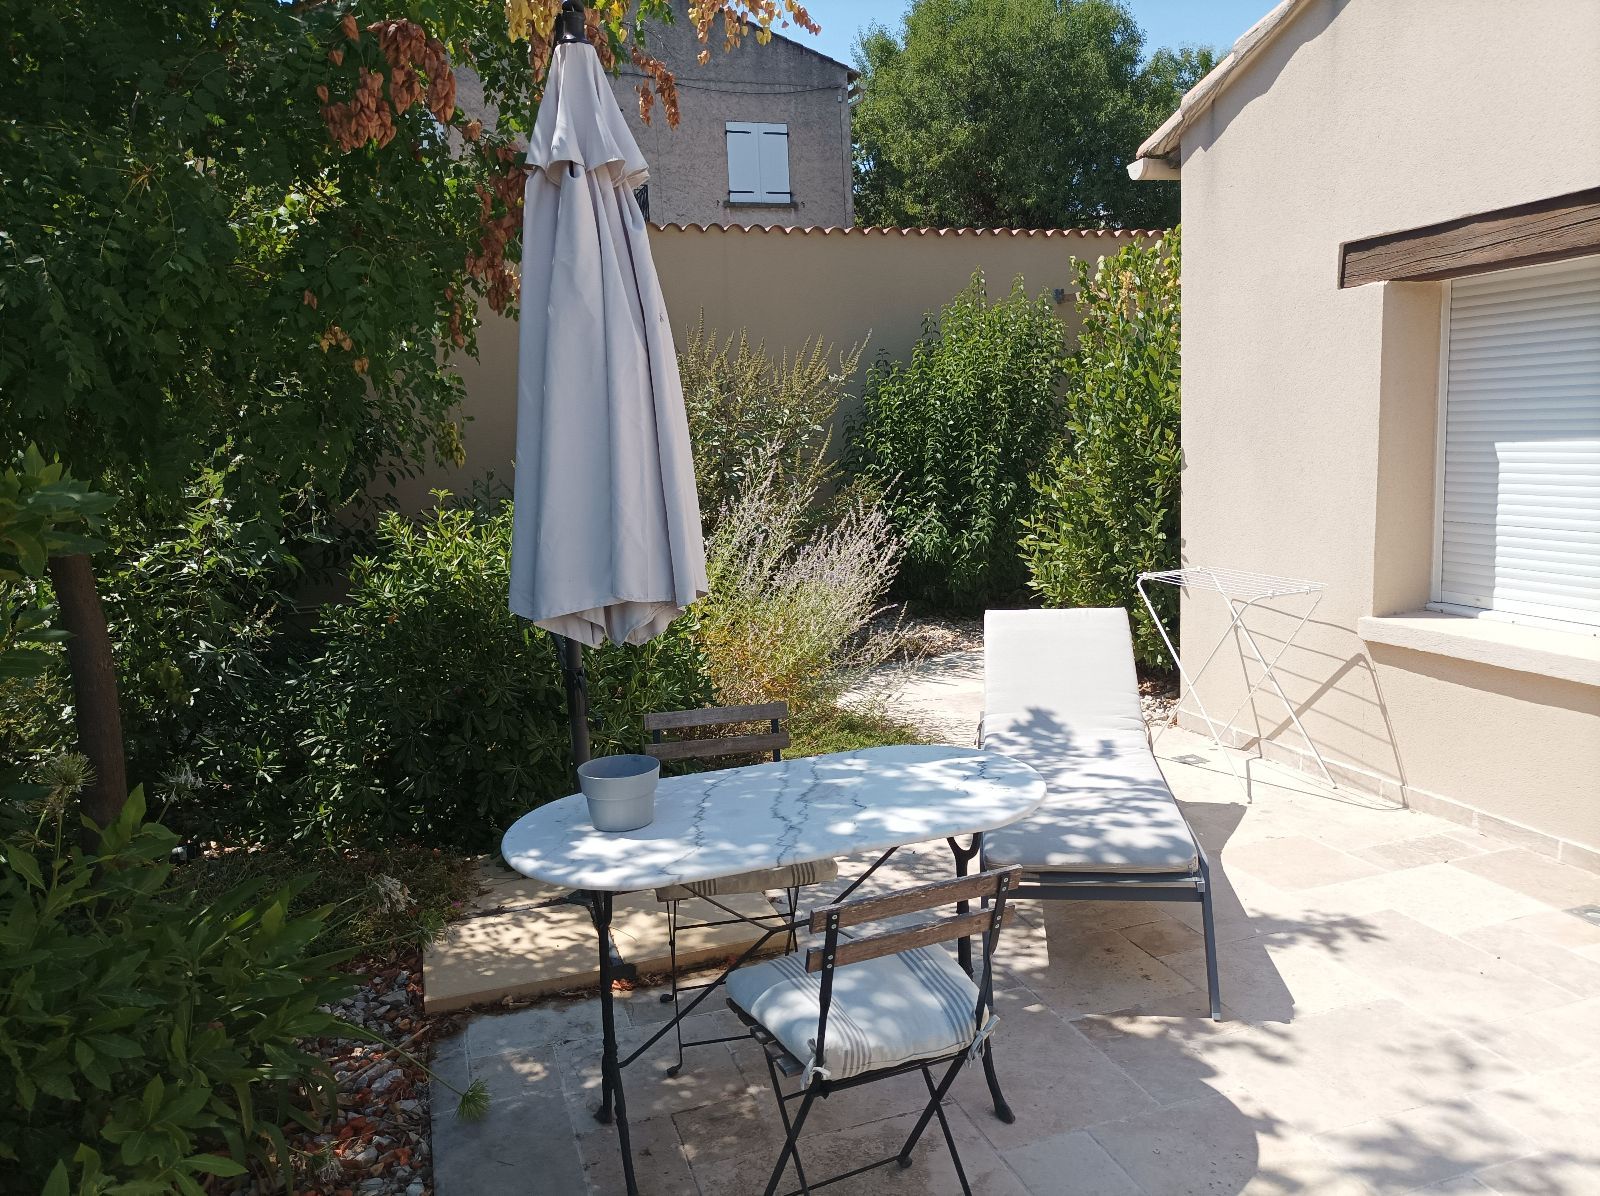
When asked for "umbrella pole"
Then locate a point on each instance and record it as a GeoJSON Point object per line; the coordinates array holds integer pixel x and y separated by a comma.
{"type": "Point", "coordinates": [577, 680]}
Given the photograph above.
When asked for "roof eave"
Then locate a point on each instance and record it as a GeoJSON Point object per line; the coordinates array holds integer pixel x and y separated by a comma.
{"type": "Point", "coordinates": [1146, 170]}
{"type": "Point", "coordinates": [851, 74]}
{"type": "Point", "coordinates": [1162, 146]}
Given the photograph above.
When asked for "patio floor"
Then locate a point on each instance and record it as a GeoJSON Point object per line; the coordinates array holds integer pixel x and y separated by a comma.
{"type": "Point", "coordinates": [1410, 1006]}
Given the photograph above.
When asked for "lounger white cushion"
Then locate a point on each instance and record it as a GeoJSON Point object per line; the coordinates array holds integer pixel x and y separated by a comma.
{"type": "Point", "coordinates": [1061, 694]}
{"type": "Point", "coordinates": [918, 1004]}
{"type": "Point", "coordinates": [817, 872]}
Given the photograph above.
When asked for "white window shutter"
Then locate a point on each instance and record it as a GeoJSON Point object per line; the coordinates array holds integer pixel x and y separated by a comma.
{"type": "Point", "coordinates": [1521, 502]}
{"type": "Point", "coordinates": [744, 162]}
{"type": "Point", "coordinates": [774, 141]}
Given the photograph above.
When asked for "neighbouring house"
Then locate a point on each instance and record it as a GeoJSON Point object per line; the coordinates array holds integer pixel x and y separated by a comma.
{"type": "Point", "coordinates": [763, 136]}
{"type": "Point", "coordinates": [1391, 383]}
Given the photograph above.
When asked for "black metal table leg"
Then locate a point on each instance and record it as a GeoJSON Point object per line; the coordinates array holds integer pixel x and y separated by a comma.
{"type": "Point", "coordinates": [613, 1103]}
{"type": "Point", "coordinates": [964, 856]}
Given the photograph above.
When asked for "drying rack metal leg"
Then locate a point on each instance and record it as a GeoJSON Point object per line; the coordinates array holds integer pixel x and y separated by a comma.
{"type": "Point", "coordinates": [1268, 677]}
{"type": "Point", "coordinates": [1189, 685]}
{"type": "Point", "coordinates": [1240, 591]}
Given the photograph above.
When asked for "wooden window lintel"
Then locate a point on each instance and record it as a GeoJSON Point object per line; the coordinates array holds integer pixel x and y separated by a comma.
{"type": "Point", "coordinates": [1543, 231]}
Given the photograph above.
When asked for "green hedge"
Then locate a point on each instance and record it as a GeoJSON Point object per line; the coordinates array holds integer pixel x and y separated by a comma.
{"type": "Point", "coordinates": [952, 435]}
{"type": "Point", "coordinates": [1108, 502]}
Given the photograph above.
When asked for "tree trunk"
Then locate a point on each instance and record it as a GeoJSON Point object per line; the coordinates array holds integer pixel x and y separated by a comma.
{"type": "Point", "coordinates": [94, 685]}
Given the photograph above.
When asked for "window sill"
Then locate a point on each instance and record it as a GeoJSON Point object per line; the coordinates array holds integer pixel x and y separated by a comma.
{"type": "Point", "coordinates": [1569, 656]}
{"type": "Point", "coordinates": [762, 203]}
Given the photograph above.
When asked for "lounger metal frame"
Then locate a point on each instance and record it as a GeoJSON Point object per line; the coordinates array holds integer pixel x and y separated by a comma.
{"type": "Point", "coordinates": [1047, 885]}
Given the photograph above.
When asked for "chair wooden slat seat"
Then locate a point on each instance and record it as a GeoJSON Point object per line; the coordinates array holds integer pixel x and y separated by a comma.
{"type": "Point", "coordinates": [867, 1007]}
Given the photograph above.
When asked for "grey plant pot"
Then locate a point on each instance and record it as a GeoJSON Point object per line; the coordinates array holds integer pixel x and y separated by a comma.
{"type": "Point", "coordinates": [621, 791]}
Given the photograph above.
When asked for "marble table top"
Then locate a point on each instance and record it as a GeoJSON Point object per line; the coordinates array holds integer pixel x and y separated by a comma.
{"type": "Point", "coordinates": [794, 811]}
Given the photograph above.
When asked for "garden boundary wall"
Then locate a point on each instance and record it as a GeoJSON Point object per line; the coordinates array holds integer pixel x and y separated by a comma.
{"type": "Point", "coordinates": [785, 286]}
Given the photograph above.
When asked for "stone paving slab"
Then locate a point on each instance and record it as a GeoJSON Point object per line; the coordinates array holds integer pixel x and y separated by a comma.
{"type": "Point", "coordinates": [1408, 1007]}
{"type": "Point", "coordinates": [550, 948]}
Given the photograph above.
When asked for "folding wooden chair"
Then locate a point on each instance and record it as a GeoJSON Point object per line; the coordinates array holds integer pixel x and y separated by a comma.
{"type": "Point", "coordinates": [894, 1002]}
{"type": "Point", "coordinates": [789, 879]}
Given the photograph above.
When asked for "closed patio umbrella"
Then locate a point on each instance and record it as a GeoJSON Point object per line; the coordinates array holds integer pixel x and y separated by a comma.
{"type": "Point", "coordinates": [606, 542]}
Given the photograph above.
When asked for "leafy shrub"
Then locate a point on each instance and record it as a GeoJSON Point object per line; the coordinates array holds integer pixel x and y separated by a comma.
{"type": "Point", "coordinates": [1108, 503]}
{"type": "Point", "coordinates": [434, 713]}
{"type": "Point", "coordinates": [849, 729]}
{"type": "Point", "coordinates": [208, 641]}
{"type": "Point", "coordinates": [742, 404]}
{"type": "Point", "coordinates": [952, 435]}
{"type": "Point", "coordinates": [150, 1041]}
{"type": "Point", "coordinates": [789, 612]}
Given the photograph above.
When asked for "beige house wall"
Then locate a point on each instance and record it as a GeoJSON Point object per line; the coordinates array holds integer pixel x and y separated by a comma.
{"type": "Point", "coordinates": [1309, 412]}
{"type": "Point", "coordinates": [785, 286]}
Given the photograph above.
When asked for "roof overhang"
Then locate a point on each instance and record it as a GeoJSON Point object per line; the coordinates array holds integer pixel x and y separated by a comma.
{"type": "Point", "coordinates": [1158, 156]}
{"type": "Point", "coordinates": [1144, 170]}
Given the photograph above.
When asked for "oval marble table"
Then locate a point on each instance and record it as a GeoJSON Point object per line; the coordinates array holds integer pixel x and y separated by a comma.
{"type": "Point", "coordinates": [736, 820]}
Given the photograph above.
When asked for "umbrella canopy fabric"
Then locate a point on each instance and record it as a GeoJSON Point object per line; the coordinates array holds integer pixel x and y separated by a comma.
{"type": "Point", "coordinates": [606, 542]}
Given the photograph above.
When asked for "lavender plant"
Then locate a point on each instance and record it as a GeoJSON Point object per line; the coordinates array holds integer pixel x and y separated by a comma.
{"type": "Point", "coordinates": [792, 604]}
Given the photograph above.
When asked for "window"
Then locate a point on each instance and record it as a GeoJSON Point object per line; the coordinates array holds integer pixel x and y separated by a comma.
{"type": "Point", "coordinates": [758, 163]}
{"type": "Point", "coordinates": [1519, 457]}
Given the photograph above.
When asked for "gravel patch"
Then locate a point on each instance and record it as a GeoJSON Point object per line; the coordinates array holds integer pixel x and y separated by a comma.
{"type": "Point", "coordinates": [378, 1140]}
{"type": "Point", "coordinates": [1158, 695]}
{"type": "Point", "coordinates": [936, 682]}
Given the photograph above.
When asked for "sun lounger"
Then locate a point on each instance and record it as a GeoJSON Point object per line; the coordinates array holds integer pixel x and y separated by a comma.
{"type": "Point", "coordinates": [1061, 694]}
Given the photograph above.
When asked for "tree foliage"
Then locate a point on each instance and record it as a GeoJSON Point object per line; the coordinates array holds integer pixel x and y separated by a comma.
{"type": "Point", "coordinates": [1108, 503]}
{"type": "Point", "coordinates": [238, 247]}
{"type": "Point", "coordinates": [238, 236]}
{"type": "Point", "coordinates": [1013, 113]}
{"type": "Point", "coordinates": [206, 277]}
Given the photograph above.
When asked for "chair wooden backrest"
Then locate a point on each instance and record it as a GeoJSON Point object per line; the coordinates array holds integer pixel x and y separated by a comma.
{"type": "Point", "coordinates": [991, 887]}
{"type": "Point", "coordinates": [774, 740]}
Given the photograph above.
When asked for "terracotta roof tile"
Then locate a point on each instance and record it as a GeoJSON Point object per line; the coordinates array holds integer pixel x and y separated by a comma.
{"type": "Point", "coordinates": [882, 231]}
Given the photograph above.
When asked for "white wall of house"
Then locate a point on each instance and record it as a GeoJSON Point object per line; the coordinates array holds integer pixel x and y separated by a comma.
{"type": "Point", "coordinates": [1310, 412]}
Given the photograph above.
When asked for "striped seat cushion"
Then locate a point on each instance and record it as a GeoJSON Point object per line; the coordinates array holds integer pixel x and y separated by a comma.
{"type": "Point", "coordinates": [918, 1004]}
{"type": "Point", "coordinates": [817, 872]}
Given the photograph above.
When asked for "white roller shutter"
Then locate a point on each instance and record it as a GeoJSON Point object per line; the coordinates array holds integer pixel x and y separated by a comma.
{"type": "Point", "coordinates": [1520, 510]}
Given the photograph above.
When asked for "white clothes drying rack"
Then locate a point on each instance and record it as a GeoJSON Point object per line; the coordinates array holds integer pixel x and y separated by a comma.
{"type": "Point", "coordinates": [1241, 591]}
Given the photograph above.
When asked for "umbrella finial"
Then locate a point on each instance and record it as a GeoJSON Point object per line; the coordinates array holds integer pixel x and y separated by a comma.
{"type": "Point", "coordinates": [569, 25]}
